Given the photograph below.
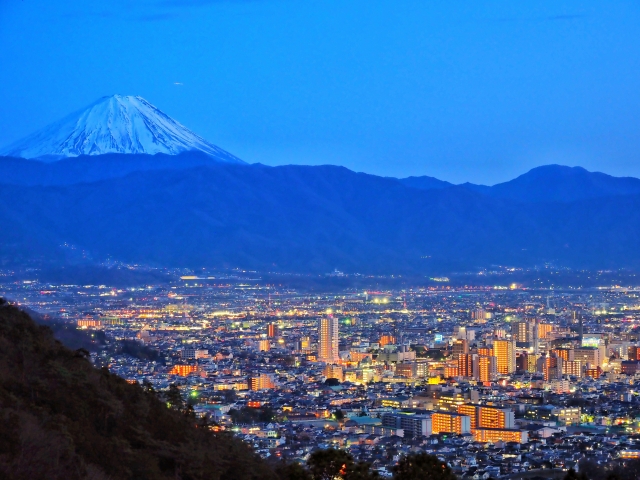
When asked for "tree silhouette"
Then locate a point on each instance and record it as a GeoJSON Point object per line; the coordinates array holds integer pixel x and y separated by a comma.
{"type": "Point", "coordinates": [422, 467]}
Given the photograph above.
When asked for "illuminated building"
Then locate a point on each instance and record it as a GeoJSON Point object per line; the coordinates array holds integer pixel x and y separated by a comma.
{"type": "Point", "coordinates": [552, 368]}
{"type": "Point", "coordinates": [493, 435]}
{"type": "Point", "coordinates": [470, 411]}
{"type": "Point", "coordinates": [467, 365]}
{"type": "Point", "coordinates": [416, 425]}
{"type": "Point", "coordinates": [629, 367]}
{"type": "Point", "coordinates": [567, 415]}
{"type": "Point", "coordinates": [593, 372]}
{"type": "Point", "coordinates": [491, 417]}
{"type": "Point", "coordinates": [264, 345]}
{"type": "Point", "coordinates": [387, 340]}
{"type": "Point", "coordinates": [565, 353]}
{"type": "Point", "coordinates": [408, 369]}
{"type": "Point", "coordinates": [451, 371]}
{"type": "Point", "coordinates": [479, 315]}
{"type": "Point", "coordinates": [194, 353]}
{"type": "Point", "coordinates": [183, 370]}
{"type": "Point", "coordinates": [505, 353]}
{"type": "Point", "coordinates": [532, 363]}
{"type": "Point", "coordinates": [633, 353]}
{"type": "Point", "coordinates": [272, 330]}
{"type": "Point", "coordinates": [305, 345]}
{"type": "Point", "coordinates": [261, 382]}
{"type": "Point", "coordinates": [449, 422]}
{"type": "Point", "coordinates": [333, 371]}
{"type": "Point", "coordinates": [588, 355]}
{"type": "Point", "coordinates": [460, 347]}
{"type": "Point", "coordinates": [573, 368]}
{"type": "Point", "coordinates": [450, 401]}
{"type": "Point", "coordinates": [544, 329]}
{"type": "Point", "coordinates": [523, 331]}
{"type": "Point", "coordinates": [488, 417]}
{"type": "Point", "coordinates": [485, 352]}
{"type": "Point", "coordinates": [328, 339]}
{"type": "Point", "coordinates": [89, 323]}
{"type": "Point", "coordinates": [487, 368]}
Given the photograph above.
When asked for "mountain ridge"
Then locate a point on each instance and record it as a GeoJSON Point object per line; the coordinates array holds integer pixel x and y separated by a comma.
{"type": "Point", "coordinates": [311, 219]}
{"type": "Point", "coordinates": [114, 124]}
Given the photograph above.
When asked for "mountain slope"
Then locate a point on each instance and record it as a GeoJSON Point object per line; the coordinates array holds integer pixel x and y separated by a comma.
{"type": "Point", "coordinates": [551, 183]}
{"type": "Point", "coordinates": [312, 219]}
{"type": "Point", "coordinates": [86, 168]}
{"type": "Point", "coordinates": [61, 418]}
{"type": "Point", "coordinates": [116, 124]}
{"type": "Point", "coordinates": [424, 182]}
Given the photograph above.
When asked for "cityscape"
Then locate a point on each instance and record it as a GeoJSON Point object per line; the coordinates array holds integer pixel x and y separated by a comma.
{"type": "Point", "coordinates": [494, 381]}
{"type": "Point", "coordinates": [319, 240]}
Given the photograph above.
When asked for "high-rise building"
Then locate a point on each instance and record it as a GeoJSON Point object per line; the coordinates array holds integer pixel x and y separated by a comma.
{"type": "Point", "coordinates": [407, 369]}
{"type": "Point", "coordinates": [470, 411]}
{"type": "Point", "coordinates": [588, 355]}
{"type": "Point", "coordinates": [387, 340]}
{"type": "Point", "coordinates": [488, 417]}
{"type": "Point", "coordinates": [544, 329]}
{"type": "Point", "coordinates": [460, 347]}
{"type": "Point", "coordinates": [572, 367]}
{"type": "Point", "coordinates": [523, 331]}
{"type": "Point", "coordinates": [468, 365]}
{"type": "Point", "coordinates": [334, 371]}
{"type": "Point", "coordinates": [328, 339]}
{"type": "Point", "coordinates": [505, 353]}
{"type": "Point", "coordinates": [450, 423]}
{"type": "Point", "coordinates": [487, 368]}
{"type": "Point", "coordinates": [264, 345]}
{"type": "Point", "coordinates": [416, 425]}
{"type": "Point", "coordinates": [552, 368]}
{"type": "Point", "coordinates": [261, 382]}
{"type": "Point", "coordinates": [491, 417]}
{"type": "Point", "coordinates": [272, 330]}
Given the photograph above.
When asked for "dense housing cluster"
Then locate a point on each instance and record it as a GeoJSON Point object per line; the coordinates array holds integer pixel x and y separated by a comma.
{"type": "Point", "coordinates": [492, 380]}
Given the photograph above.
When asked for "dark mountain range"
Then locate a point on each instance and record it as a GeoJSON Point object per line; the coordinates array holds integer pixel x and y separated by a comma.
{"type": "Point", "coordinates": [425, 183]}
{"type": "Point", "coordinates": [306, 219]}
{"type": "Point", "coordinates": [549, 183]}
{"type": "Point", "coordinates": [86, 168]}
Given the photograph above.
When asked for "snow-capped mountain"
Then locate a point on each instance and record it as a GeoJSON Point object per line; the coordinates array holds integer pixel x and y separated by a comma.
{"type": "Point", "coordinates": [116, 124]}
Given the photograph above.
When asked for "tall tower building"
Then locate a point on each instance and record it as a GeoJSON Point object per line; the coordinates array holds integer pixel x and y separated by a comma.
{"type": "Point", "coordinates": [272, 330]}
{"type": "Point", "coordinates": [328, 339]}
{"type": "Point", "coordinates": [505, 353]}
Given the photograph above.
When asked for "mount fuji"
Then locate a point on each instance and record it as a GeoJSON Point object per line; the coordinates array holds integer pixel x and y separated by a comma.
{"type": "Point", "coordinates": [115, 124]}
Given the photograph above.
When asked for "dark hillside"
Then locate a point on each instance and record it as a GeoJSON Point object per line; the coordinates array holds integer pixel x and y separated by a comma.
{"type": "Point", "coordinates": [61, 418]}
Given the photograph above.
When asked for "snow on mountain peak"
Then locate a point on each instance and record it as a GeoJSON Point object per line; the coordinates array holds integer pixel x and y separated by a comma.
{"type": "Point", "coordinates": [115, 124]}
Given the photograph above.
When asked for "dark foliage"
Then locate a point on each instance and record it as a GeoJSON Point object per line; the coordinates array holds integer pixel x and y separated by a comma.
{"type": "Point", "coordinates": [331, 464]}
{"type": "Point", "coordinates": [422, 467]}
{"type": "Point", "coordinates": [250, 415]}
{"type": "Point", "coordinates": [590, 470]}
{"type": "Point", "coordinates": [61, 418]}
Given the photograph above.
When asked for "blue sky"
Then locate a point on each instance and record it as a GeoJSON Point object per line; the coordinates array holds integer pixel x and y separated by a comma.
{"type": "Point", "coordinates": [459, 90]}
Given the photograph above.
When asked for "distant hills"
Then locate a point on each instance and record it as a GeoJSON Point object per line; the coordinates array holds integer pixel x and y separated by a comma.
{"type": "Point", "coordinates": [549, 183]}
{"type": "Point", "coordinates": [121, 180]}
{"type": "Point", "coordinates": [192, 211]}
